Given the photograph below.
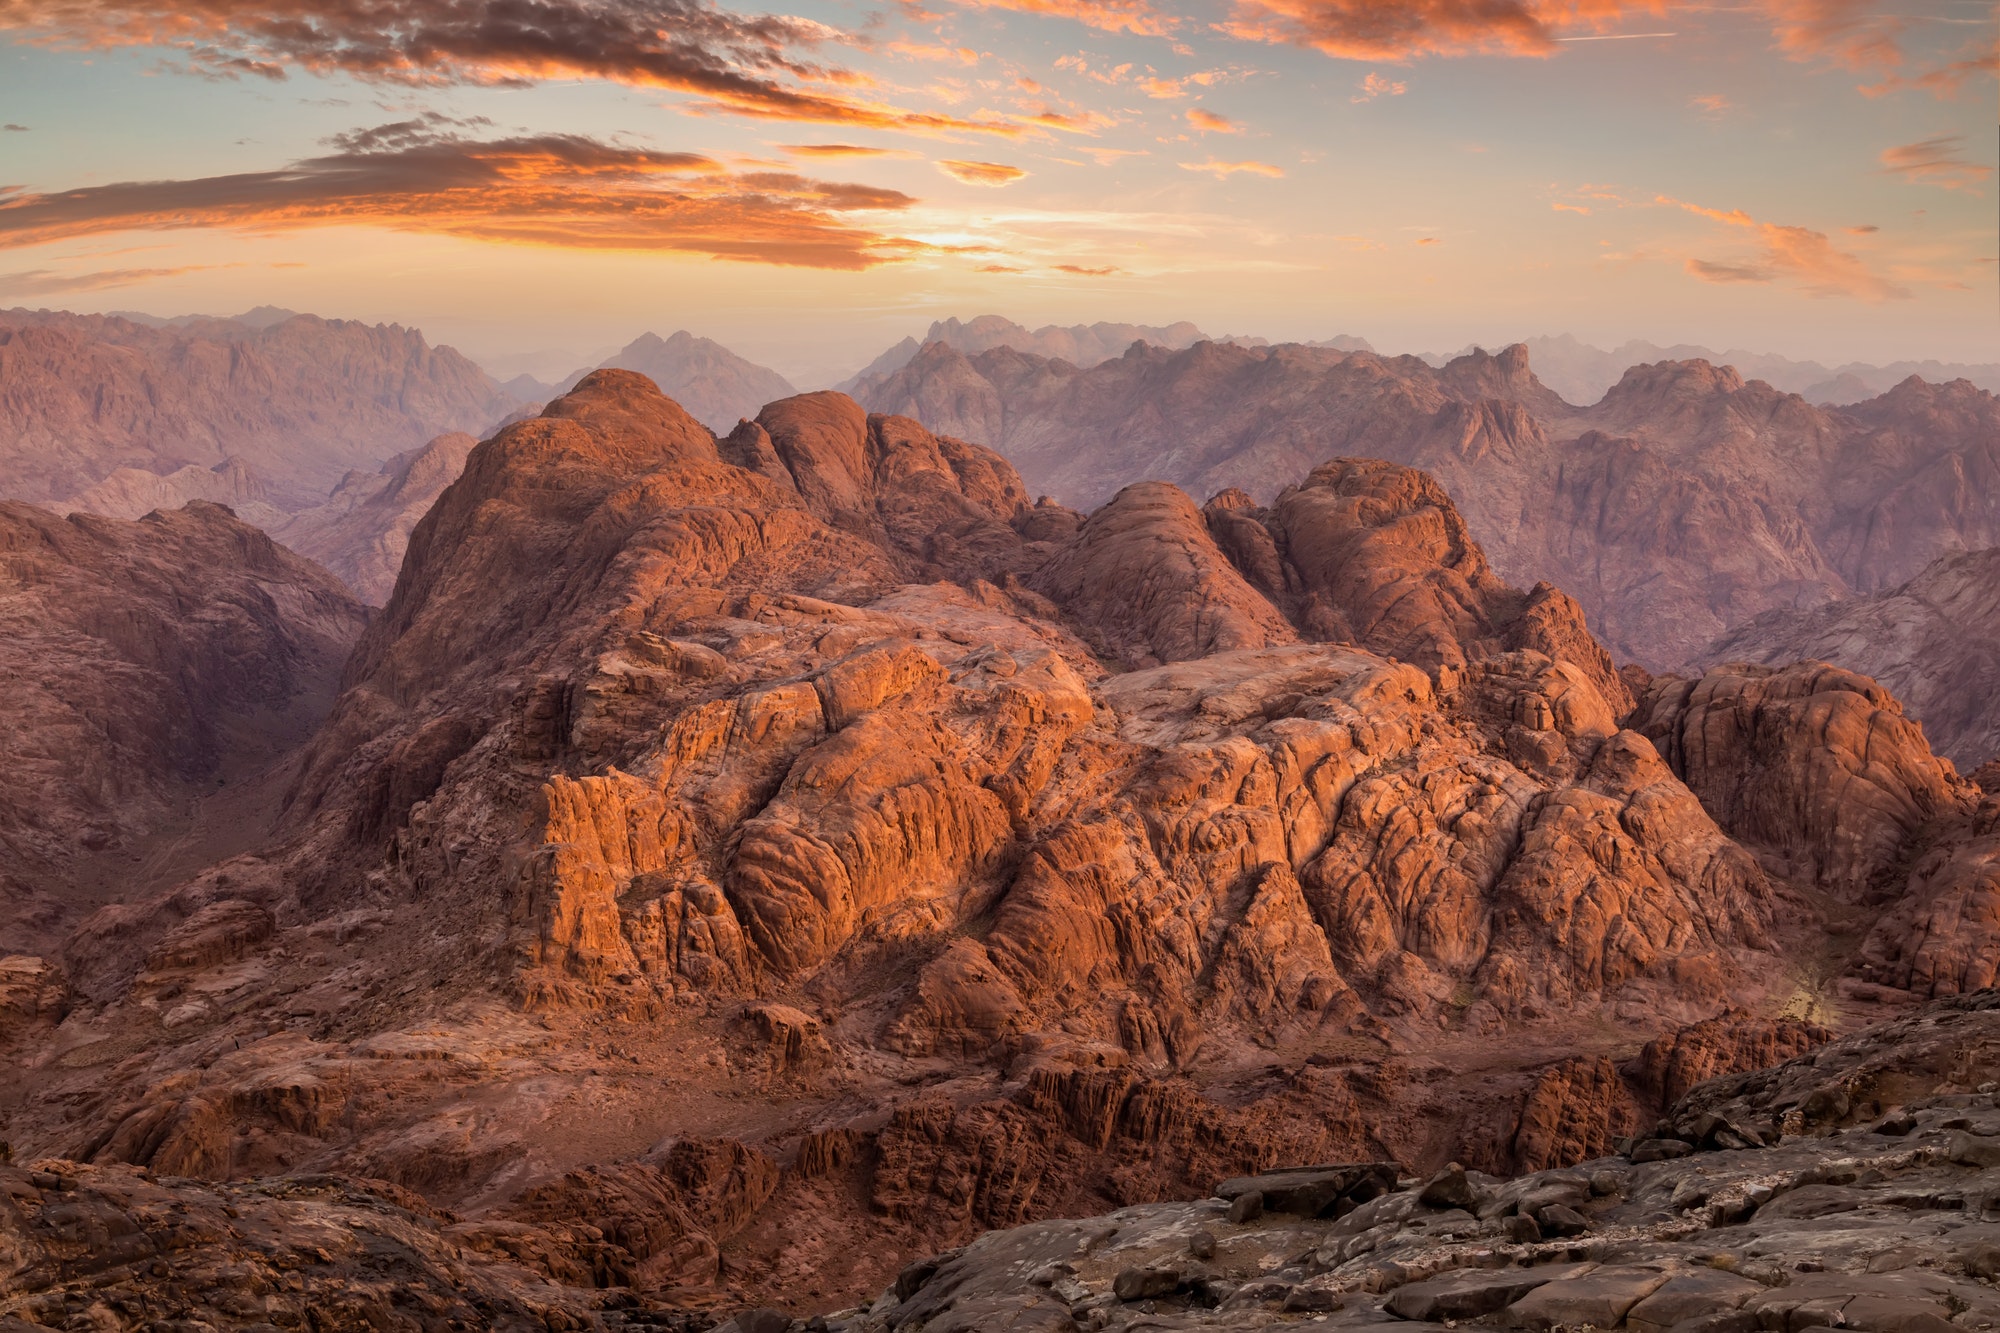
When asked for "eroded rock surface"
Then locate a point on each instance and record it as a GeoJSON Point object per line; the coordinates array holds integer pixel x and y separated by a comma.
{"type": "Point", "coordinates": [755, 861]}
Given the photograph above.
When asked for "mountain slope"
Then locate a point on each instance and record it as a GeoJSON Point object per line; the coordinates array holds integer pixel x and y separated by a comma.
{"type": "Point", "coordinates": [1935, 641]}
{"type": "Point", "coordinates": [298, 403]}
{"type": "Point", "coordinates": [150, 663]}
{"type": "Point", "coordinates": [716, 386]}
{"type": "Point", "coordinates": [363, 528]}
{"type": "Point", "coordinates": [1078, 344]}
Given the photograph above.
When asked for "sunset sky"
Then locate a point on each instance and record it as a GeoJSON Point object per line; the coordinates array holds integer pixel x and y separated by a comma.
{"type": "Point", "coordinates": [539, 180]}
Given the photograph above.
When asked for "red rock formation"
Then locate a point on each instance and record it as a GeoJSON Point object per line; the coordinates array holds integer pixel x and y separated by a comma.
{"type": "Point", "coordinates": [1942, 936]}
{"type": "Point", "coordinates": [1816, 764]}
{"type": "Point", "coordinates": [768, 789]}
{"type": "Point", "coordinates": [1148, 583]}
{"type": "Point", "coordinates": [1576, 1111]}
{"type": "Point", "coordinates": [1730, 1043]}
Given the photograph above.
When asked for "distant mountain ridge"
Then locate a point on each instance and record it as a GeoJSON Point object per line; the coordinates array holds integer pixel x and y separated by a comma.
{"type": "Point", "coordinates": [716, 386]}
{"type": "Point", "coordinates": [1583, 374]}
{"type": "Point", "coordinates": [1684, 501]}
{"type": "Point", "coordinates": [1935, 641]}
{"type": "Point", "coordinates": [296, 400]}
{"type": "Point", "coordinates": [1082, 345]}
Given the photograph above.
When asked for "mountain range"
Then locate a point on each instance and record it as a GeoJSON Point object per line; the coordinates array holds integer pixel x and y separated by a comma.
{"type": "Point", "coordinates": [1684, 501]}
{"type": "Point", "coordinates": [717, 386]}
{"type": "Point", "coordinates": [735, 867]}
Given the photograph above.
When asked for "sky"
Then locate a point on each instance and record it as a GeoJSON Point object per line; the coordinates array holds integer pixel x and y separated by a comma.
{"type": "Point", "coordinates": [538, 181]}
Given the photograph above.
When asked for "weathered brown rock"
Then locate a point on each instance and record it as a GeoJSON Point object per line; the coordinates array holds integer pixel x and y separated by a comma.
{"type": "Point", "coordinates": [1942, 934]}
{"type": "Point", "coordinates": [1150, 586]}
{"type": "Point", "coordinates": [1934, 642]}
{"type": "Point", "coordinates": [153, 663]}
{"type": "Point", "coordinates": [1729, 1043]}
{"type": "Point", "coordinates": [1816, 764]}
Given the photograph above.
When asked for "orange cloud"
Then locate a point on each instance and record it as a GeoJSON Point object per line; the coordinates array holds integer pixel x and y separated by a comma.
{"type": "Point", "coordinates": [981, 173]}
{"type": "Point", "coordinates": [45, 282]}
{"type": "Point", "coordinates": [998, 268]}
{"type": "Point", "coordinates": [557, 189]}
{"type": "Point", "coordinates": [1224, 170]}
{"type": "Point", "coordinates": [1713, 104]}
{"type": "Point", "coordinates": [1210, 123]}
{"type": "Point", "coordinates": [1796, 254]}
{"type": "Point", "coordinates": [1080, 122]}
{"type": "Point", "coordinates": [1429, 240]}
{"type": "Point", "coordinates": [1937, 162]}
{"type": "Point", "coordinates": [1375, 86]}
{"type": "Point", "coordinates": [1852, 33]}
{"type": "Point", "coordinates": [841, 150]}
{"type": "Point", "coordinates": [1083, 272]}
{"type": "Point", "coordinates": [964, 55]}
{"type": "Point", "coordinates": [1401, 30]}
{"type": "Point", "coordinates": [753, 66]}
{"type": "Point", "coordinates": [1133, 16]}
{"type": "Point", "coordinates": [1945, 81]}
{"type": "Point", "coordinates": [1849, 32]}
{"type": "Point", "coordinates": [1570, 208]}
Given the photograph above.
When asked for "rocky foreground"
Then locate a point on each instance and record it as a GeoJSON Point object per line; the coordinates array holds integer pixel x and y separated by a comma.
{"type": "Point", "coordinates": [1855, 1187]}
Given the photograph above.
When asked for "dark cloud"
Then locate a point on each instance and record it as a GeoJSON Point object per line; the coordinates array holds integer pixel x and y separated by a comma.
{"type": "Point", "coordinates": [552, 189]}
{"type": "Point", "coordinates": [1940, 161]}
{"type": "Point", "coordinates": [757, 65]}
{"type": "Point", "coordinates": [1711, 272]}
{"type": "Point", "coordinates": [14, 129]}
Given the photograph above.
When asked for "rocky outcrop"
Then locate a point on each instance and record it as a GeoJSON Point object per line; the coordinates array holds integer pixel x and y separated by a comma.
{"type": "Point", "coordinates": [1684, 502]}
{"type": "Point", "coordinates": [363, 528]}
{"type": "Point", "coordinates": [1934, 642]}
{"type": "Point", "coordinates": [1852, 1212]}
{"type": "Point", "coordinates": [1816, 764]}
{"type": "Point", "coordinates": [297, 403]}
{"type": "Point", "coordinates": [151, 662]}
{"type": "Point", "coordinates": [1149, 583]}
{"type": "Point", "coordinates": [1942, 935]}
{"type": "Point", "coordinates": [1730, 1043]}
